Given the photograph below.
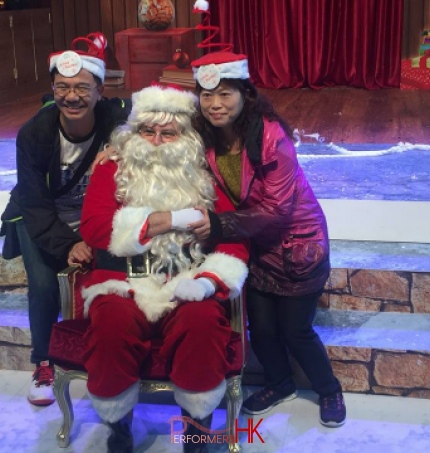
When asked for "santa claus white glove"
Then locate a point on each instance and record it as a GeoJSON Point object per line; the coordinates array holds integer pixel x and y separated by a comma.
{"type": "Point", "coordinates": [189, 289]}
{"type": "Point", "coordinates": [183, 217]}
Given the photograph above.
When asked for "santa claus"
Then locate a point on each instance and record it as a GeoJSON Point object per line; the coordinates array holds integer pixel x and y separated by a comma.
{"type": "Point", "coordinates": [151, 276]}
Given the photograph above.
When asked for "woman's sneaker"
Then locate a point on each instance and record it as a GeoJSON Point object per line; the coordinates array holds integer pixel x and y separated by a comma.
{"type": "Point", "coordinates": [41, 388]}
{"type": "Point", "coordinates": [332, 410]}
{"type": "Point", "coordinates": [265, 399]}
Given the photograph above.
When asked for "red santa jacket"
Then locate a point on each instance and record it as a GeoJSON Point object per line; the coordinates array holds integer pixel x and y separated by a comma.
{"type": "Point", "coordinates": [106, 224]}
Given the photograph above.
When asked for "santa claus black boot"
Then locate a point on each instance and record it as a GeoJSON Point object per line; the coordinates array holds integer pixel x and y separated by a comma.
{"type": "Point", "coordinates": [203, 428]}
{"type": "Point", "coordinates": [121, 438]}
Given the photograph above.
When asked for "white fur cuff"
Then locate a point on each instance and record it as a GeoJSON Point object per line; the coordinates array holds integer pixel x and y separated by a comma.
{"type": "Point", "coordinates": [127, 226]}
{"type": "Point", "coordinates": [230, 270]}
{"type": "Point", "coordinates": [113, 409]}
{"type": "Point", "coordinates": [200, 404]}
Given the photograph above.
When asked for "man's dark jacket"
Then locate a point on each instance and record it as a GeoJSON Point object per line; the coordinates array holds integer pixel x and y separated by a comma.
{"type": "Point", "coordinates": [39, 176]}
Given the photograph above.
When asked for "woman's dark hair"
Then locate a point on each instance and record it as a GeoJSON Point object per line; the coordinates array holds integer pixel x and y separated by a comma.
{"type": "Point", "coordinates": [256, 106]}
{"type": "Point", "coordinates": [98, 80]}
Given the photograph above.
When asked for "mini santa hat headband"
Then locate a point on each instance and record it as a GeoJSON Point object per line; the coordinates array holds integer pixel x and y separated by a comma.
{"type": "Point", "coordinates": [224, 64]}
{"type": "Point", "coordinates": [70, 62]}
{"type": "Point", "coordinates": [157, 98]}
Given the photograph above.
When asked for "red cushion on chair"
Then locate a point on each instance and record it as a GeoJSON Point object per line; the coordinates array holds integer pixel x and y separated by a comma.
{"type": "Point", "coordinates": [67, 346]}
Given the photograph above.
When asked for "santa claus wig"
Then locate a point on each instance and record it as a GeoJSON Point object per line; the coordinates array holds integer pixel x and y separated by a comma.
{"type": "Point", "coordinates": [170, 176]}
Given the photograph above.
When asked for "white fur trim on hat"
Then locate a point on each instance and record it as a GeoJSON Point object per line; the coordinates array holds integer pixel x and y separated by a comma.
{"type": "Point", "coordinates": [158, 99]}
{"type": "Point", "coordinates": [200, 6]}
{"type": "Point", "coordinates": [92, 64]}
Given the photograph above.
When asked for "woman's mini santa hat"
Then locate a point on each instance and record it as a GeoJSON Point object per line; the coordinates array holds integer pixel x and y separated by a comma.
{"type": "Point", "coordinates": [157, 98]}
{"type": "Point", "coordinates": [212, 67]}
{"type": "Point", "coordinates": [70, 62]}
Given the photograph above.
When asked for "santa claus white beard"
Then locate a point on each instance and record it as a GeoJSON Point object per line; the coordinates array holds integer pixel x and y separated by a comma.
{"type": "Point", "coordinates": [167, 177]}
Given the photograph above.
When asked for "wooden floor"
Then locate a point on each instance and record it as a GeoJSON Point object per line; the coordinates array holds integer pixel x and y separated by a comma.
{"type": "Point", "coordinates": [340, 115]}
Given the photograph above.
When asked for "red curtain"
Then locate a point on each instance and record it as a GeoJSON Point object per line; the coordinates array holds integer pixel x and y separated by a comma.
{"type": "Point", "coordinates": [315, 43]}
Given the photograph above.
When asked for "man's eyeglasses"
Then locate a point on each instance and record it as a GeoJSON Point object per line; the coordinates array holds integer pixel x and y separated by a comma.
{"type": "Point", "coordinates": [167, 135]}
{"type": "Point", "coordinates": [80, 90]}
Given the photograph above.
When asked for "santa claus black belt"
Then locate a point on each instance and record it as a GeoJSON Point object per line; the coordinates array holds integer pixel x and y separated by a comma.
{"type": "Point", "coordinates": [134, 266]}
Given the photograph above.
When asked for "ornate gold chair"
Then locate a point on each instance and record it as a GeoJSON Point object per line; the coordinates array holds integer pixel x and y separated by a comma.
{"type": "Point", "coordinates": [67, 346]}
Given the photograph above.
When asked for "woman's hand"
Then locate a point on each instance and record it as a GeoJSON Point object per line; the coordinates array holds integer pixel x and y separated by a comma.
{"type": "Point", "coordinates": [80, 253]}
{"type": "Point", "coordinates": [202, 228]}
{"type": "Point", "coordinates": [108, 153]}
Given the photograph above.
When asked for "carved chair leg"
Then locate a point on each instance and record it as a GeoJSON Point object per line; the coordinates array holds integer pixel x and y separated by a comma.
{"type": "Point", "coordinates": [234, 399]}
{"type": "Point", "coordinates": [62, 381]}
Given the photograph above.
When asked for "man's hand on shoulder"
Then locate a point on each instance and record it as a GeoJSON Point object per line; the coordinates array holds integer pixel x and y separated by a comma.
{"type": "Point", "coordinates": [108, 153]}
{"type": "Point", "coordinates": [79, 253]}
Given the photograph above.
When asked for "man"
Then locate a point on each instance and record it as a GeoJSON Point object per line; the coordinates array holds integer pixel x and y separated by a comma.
{"type": "Point", "coordinates": [54, 151]}
{"type": "Point", "coordinates": [135, 214]}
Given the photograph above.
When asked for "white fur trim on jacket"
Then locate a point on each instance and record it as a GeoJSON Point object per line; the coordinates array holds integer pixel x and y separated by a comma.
{"type": "Point", "coordinates": [113, 409]}
{"type": "Point", "coordinates": [101, 289]}
{"type": "Point", "coordinates": [200, 404]}
{"type": "Point", "coordinates": [231, 271]}
{"type": "Point", "coordinates": [127, 225]}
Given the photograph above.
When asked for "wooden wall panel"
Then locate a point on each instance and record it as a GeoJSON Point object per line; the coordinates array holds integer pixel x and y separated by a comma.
{"type": "Point", "coordinates": [118, 16]}
{"type": "Point", "coordinates": [426, 15]}
{"type": "Point", "coordinates": [7, 58]}
{"type": "Point", "coordinates": [69, 21]}
{"type": "Point", "coordinates": [81, 16]}
{"type": "Point", "coordinates": [43, 37]}
{"type": "Point", "coordinates": [57, 24]}
{"type": "Point", "coordinates": [183, 10]}
{"type": "Point", "coordinates": [107, 20]}
{"type": "Point", "coordinates": [130, 13]}
{"type": "Point", "coordinates": [94, 21]}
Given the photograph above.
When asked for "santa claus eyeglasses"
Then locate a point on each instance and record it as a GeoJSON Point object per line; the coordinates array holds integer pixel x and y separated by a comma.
{"type": "Point", "coordinates": [165, 135]}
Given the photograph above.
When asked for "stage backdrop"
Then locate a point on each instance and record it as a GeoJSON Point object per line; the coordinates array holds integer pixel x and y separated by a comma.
{"type": "Point", "coordinates": [315, 43]}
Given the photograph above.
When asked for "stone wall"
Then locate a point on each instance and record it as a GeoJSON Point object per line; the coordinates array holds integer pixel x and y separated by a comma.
{"type": "Point", "coordinates": [371, 290]}
{"type": "Point", "coordinates": [12, 273]}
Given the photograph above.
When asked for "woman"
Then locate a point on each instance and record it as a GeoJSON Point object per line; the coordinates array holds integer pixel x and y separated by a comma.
{"type": "Point", "coordinates": [252, 157]}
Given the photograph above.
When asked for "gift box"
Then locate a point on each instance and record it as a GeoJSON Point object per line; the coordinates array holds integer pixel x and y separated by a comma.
{"type": "Point", "coordinates": [415, 73]}
{"type": "Point", "coordinates": [422, 62]}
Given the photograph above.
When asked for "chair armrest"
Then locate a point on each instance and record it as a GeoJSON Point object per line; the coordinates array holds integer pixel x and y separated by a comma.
{"type": "Point", "coordinates": [238, 321]}
{"type": "Point", "coordinates": [67, 282]}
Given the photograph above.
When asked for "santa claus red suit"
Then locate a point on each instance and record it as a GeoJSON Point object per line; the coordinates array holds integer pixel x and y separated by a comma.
{"type": "Point", "coordinates": [126, 311]}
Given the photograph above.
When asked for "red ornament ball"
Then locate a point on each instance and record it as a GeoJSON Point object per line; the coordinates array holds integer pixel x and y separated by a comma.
{"type": "Point", "coordinates": [181, 59]}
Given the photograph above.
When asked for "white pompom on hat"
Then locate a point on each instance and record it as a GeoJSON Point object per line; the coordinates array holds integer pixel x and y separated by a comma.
{"type": "Point", "coordinates": [157, 98]}
{"type": "Point", "coordinates": [210, 69]}
{"type": "Point", "coordinates": [201, 6]}
{"type": "Point", "coordinates": [70, 62]}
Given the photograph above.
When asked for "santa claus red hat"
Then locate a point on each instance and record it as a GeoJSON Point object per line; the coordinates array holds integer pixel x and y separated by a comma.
{"type": "Point", "coordinates": [157, 98]}
{"type": "Point", "coordinates": [70, 62]}
{"type": "Point", "coordinates": [224, 64]}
